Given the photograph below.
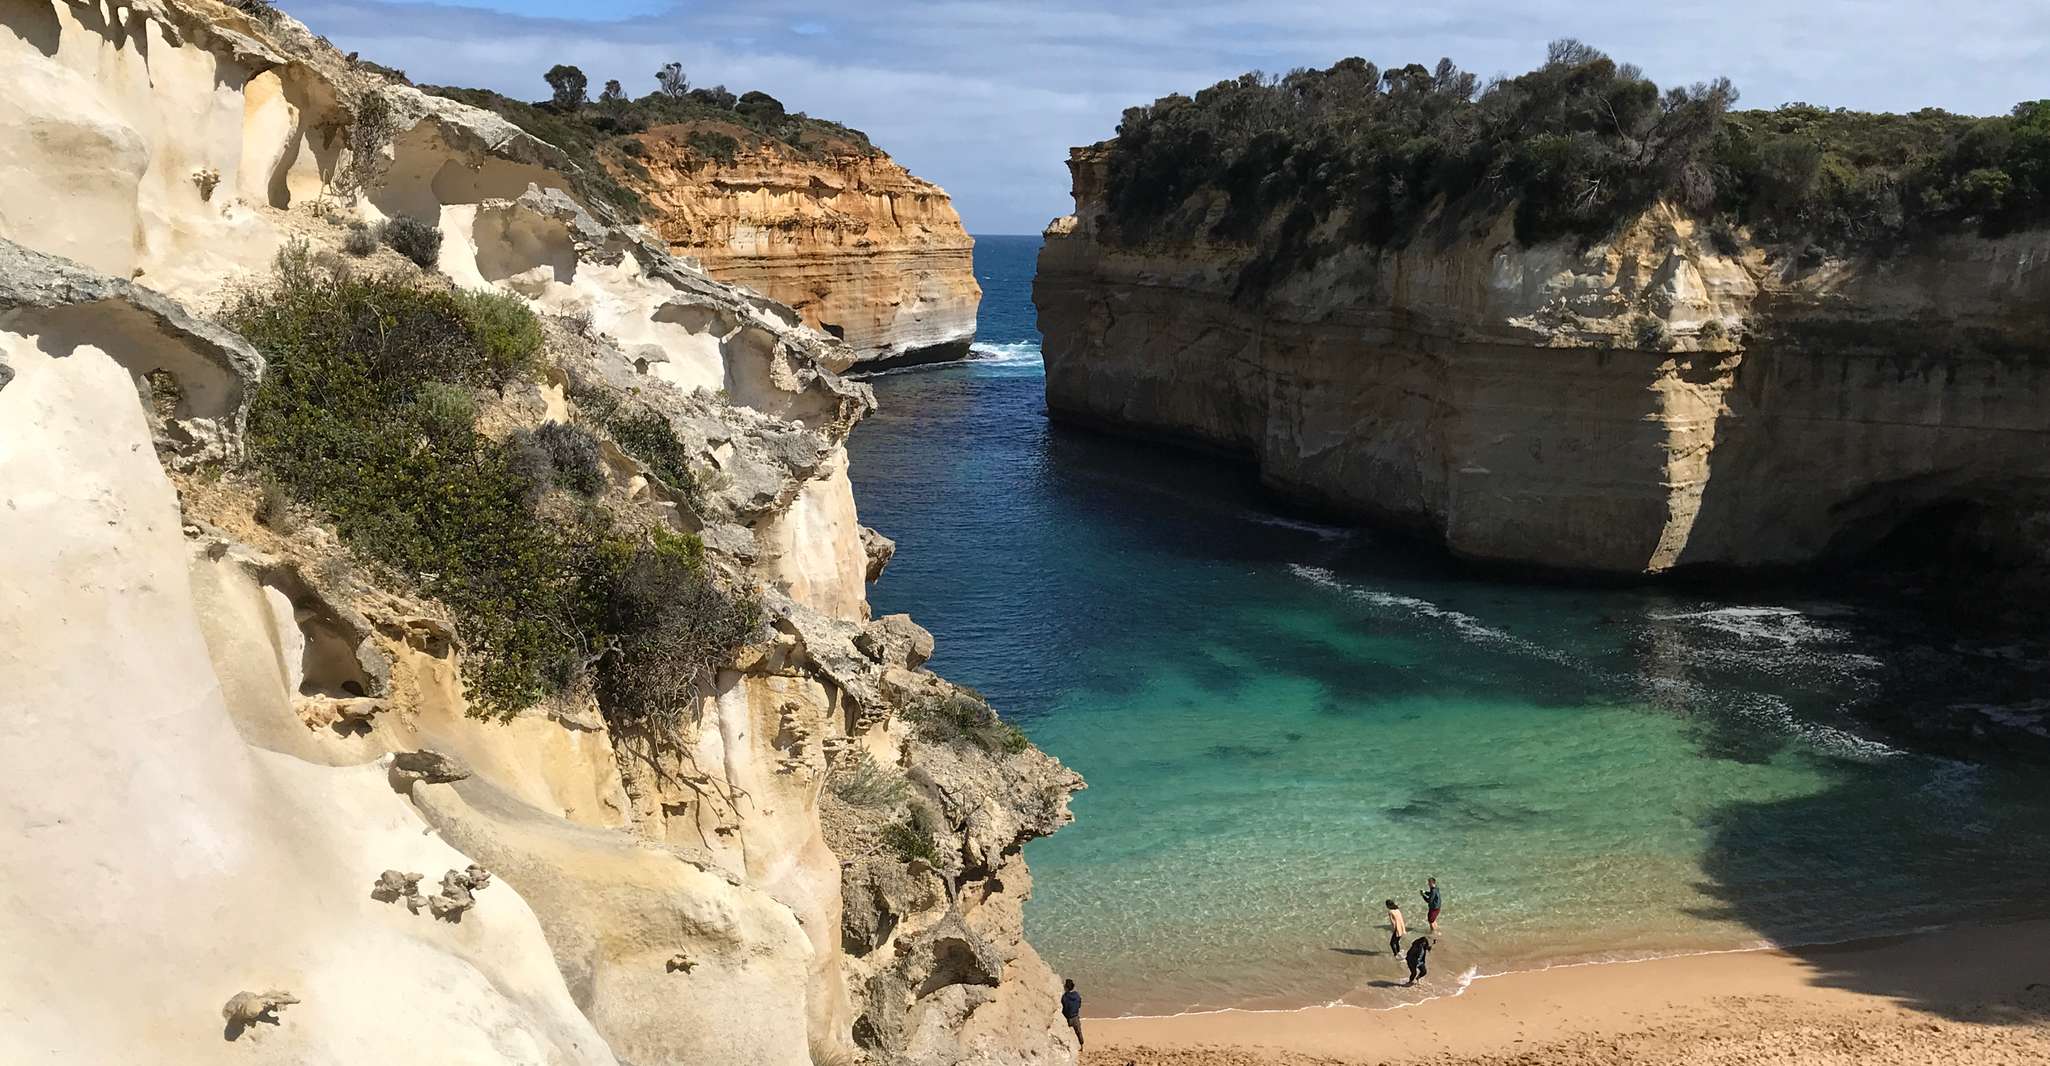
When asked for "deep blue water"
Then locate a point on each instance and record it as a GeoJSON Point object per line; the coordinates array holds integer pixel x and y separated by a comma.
{"type": "Point", "coordinates": [1284, 723]}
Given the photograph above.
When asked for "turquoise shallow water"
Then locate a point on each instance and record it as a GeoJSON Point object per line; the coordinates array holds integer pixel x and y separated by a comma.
{"type": "Point", "coordinates": [1284, 723]}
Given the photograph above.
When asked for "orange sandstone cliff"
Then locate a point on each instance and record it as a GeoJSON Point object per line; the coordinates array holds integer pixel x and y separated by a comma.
{"type": "Point", "coordinates": [860, 247]}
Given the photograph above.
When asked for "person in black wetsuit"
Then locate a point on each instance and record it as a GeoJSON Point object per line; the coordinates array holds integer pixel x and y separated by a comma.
{"type": "Point", "coordinates": [1419, 952]}
{"type": "Point", "coordinates": [1071, 1009]}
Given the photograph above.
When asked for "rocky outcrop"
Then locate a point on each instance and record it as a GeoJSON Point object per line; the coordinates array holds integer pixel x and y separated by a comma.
{"type": "Point", "coordinates": [858, 246]}
{"type": "Point", "coordinates": [229, 727]}
{"type": "Point", "coordinates": [1662, 399]}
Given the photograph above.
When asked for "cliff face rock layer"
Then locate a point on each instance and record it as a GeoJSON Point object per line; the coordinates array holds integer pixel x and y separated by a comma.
{"type": "Point", "coordinates": [858, 246]}
{"type": "Point", "coordinates": [1656, 400]}
{"type": "Point", "coordinates": [224, 736]}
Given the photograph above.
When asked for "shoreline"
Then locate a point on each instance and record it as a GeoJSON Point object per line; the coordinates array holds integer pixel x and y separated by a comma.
{"type": "Point", "coordinates": [1932, 992]}
{"type": "Point", "coordinates": [1471, 976]}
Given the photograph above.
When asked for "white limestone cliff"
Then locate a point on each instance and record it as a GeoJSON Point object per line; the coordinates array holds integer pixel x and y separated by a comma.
{"type": "Point", "coordinates": [208, 719]}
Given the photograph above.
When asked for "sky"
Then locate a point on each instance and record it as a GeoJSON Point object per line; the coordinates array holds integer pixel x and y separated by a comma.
{"type": "Point", "coordinates": [985, 97]}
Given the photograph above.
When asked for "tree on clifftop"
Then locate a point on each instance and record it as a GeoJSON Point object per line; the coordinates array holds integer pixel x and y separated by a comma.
{"type": "Point", "coordinates": [569, 84]}
{"type": "Point", "coordinates": [717, 96]}
{"type": "Point", "coordinates": [670, 80]}
{"type": "Point", "coordinates": [761, 107]}
{"type": "Point", "coordinates": [613, 93]}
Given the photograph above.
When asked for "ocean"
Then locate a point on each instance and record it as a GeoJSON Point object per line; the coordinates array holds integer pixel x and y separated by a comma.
{"type": "Point", "coordinates": [1284, 723]}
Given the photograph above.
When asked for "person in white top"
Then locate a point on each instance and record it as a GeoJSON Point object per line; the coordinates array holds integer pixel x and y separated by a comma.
{"type": "Point", "coordinates": [1397, 928]}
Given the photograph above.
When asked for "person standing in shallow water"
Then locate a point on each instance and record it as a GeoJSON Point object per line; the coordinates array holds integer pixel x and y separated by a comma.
{"type": "Point", "coordinates": [1419, 956]}
{"type": "Point", "coordinates": [1397, 928]}
{"type": "Point", "coordinates": [1071, 1009]}
{"type": "Point", "coordinates": [1434, 901]}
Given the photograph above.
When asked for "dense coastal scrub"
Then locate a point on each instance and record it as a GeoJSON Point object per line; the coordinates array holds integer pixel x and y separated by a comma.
{"type": "Point", "coordinates": [368, 414]}
{"type": "Point", "coordinates": [599, 135]}
{"type": "Point", "coordinates": [1577, 146]}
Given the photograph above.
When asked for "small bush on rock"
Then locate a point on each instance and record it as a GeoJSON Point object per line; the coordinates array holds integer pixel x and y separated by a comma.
{"type": "Point", "coordinates": [531, 463]}
{"type": "Point", "coordinates": [372, 128]}
{"type": "Point", "coordinates": [715, 146]}
{"type": "Point", "coordinates": [414, 239]}
{"type": "Point", "coordinates": [505, 328]}
{"type": "Point", "coordinates": [274, 507]}
{"type": "Point", "coordinates": [574, 456]}
{"type": "Point", "coordinates": [444, 413]}
{"type": "Point", "coordinates": [717, 96]}
{"type": "Point", "coordinates": [965, 715]}
{"type": "Point", "coordinates": [645, 435]}
{"type": "Point", "coordinates": [911, 842]}
{"type": "Point", "coordinates": [1649, 332]}
{"type": "Point", "coordinates": [760, 107]}
{"type": "Point", "coordinates": [360, 241]}
{"type": "Point", "coordinates": [868, 783]}
{"type": "Point", "coordinates": [261, 11]}
{"type": "Point", "coordinates": [672, 629]}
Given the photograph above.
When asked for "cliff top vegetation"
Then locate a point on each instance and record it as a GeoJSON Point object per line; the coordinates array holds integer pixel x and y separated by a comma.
{"type": "Point", "coordinates": [599, 134]}
{"type": "Point", "coordinates": [1578, 146]}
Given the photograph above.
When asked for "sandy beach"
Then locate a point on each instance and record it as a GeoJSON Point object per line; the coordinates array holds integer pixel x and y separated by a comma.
{"type": "Point", "coordinates": [1972, 996]}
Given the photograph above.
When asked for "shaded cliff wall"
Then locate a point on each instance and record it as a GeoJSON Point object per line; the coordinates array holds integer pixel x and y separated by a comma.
{"type": "Point", "coordinates": [858, 246]}
{"type": "Point", "coordinates": [1653, 401]}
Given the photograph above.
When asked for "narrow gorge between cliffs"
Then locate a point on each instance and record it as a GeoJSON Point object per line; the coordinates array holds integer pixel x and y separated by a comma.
{"type": "Point", "coordinates": [1284, 723]}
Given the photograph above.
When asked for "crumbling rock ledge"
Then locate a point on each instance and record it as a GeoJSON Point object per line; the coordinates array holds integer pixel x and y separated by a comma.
{"type": "Point", "coordinates": [207, 374]}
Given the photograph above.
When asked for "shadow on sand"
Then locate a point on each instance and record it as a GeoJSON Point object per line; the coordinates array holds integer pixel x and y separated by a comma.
{"type": "Point", "coordinates": [1787, 869]}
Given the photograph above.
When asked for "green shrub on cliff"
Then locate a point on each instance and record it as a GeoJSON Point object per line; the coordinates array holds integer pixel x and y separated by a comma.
{"type": "Point", "coordinates": [965, 715]}
{"type": "Point", "coordinates": [911, 842]}
{"type": "Point", "coordinates": [570, 455]}
{"type": "Point", "coordinates": [598, 135]}
{"type": "Point", "coordinates": [366, 413]}
{"type": "Point", "coordinates": [713, 145]}
{"type": "Point", "coordinates": [414, 239]}
{"type": "Point", "coordinates": [1299, 164]}
{"type": "Point", "coordinates": [671, 629]}
{"type": "Point", "coordinates": [263, 12]}
{"type": "Point", "coordinates": [506, 332]}
{"type": "Point", "coordinates": [867, 783]}
{"type": "Point", "coordinates": [644, 434]}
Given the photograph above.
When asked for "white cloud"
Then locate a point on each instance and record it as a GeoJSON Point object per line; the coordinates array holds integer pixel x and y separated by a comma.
{"type": "Point", "coordinates": [985, 97]}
